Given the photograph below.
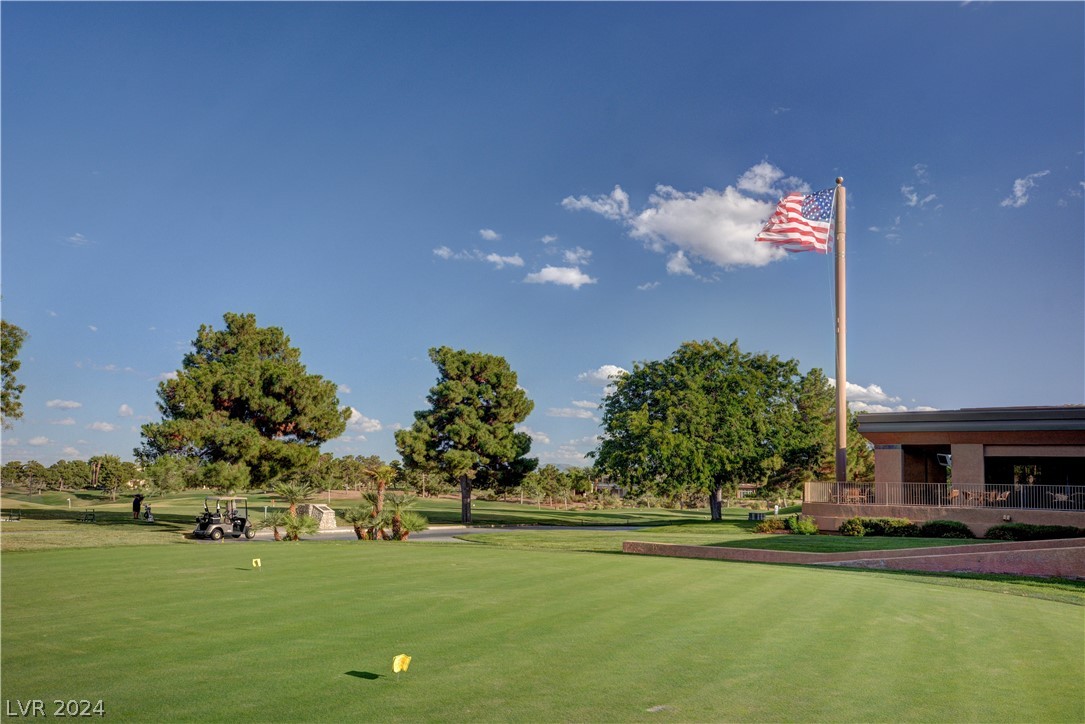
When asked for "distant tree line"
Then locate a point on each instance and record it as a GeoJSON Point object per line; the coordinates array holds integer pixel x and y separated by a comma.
{"type": "Point", "coordinates": [244, 413]}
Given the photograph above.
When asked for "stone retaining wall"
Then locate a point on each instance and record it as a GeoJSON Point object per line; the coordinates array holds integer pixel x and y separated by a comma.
{"type": "Point", "coordinates": [1062, 558]}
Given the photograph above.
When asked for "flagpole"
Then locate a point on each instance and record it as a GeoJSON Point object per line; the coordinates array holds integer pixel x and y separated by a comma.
{"type": "Point", "coordinates": [841, 337]}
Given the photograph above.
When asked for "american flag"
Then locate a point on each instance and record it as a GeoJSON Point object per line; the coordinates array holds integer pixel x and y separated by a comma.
{"type": "Point", "coordinates": [801, 223]}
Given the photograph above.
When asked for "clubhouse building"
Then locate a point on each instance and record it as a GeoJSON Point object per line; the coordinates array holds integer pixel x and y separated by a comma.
{"type": "Point", "coordinates": [981, 466]}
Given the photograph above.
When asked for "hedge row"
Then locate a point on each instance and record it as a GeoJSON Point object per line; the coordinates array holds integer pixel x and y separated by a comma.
{"type": "Point", "coordinates": [800, 524]}
{"type": "Point", "coordinates": [904, 528]}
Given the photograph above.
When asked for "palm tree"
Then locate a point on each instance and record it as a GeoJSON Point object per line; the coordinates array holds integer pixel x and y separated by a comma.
{"type": "Point", "coordinates": [301, 524]}
{"type": "Point", "coordinates": [411, 522]}
{"type": "Point", "coordinates": [293, 493]}
{"type": "Point", "coordinates": [382, 475]}
{"type": "Point", "coordinates": [398, 504]}
{"type": "Point", "coordinates": [275, 519]}
{"type": "Point", "coordinates": [378, 519]}
{"type": "Point", "coordinates": [358, 517]}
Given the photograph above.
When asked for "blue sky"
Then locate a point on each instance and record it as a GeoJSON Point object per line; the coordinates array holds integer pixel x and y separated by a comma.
{"type": "Point", "coordinates": [573, 186]}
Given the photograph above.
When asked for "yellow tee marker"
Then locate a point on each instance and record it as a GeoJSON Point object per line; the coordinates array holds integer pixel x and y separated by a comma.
{"type": "Point", "coordinates": [256, 563]}
{"type": "Point", "coordinates": [400, 663]}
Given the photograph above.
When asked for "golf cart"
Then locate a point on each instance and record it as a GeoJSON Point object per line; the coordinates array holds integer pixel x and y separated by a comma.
{"type": "Point", "coordinates": [227, 518]}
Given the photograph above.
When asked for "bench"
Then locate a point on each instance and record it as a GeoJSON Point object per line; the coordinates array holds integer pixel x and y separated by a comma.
{"type": "Point", "coordinates": [755, 516]}
{"type": "Point", "coordinates": [13, 515]}
{"type": "Point", "coordinates": [88, 516]}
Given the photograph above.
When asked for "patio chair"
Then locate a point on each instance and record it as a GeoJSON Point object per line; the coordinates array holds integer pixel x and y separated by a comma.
{"type": "Point", "coordinates": [954, 496]}
{"type": "Point", "coordinates": [1001, 498]}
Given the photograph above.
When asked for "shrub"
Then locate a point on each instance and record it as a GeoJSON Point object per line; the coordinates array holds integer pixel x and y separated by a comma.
{"type": "Point", "coordinates": [890, 527]}
{"type": "Point", "coordinates": [853, 527]}
{"type": "Point", "coordinates": [770, 525]}
{"type": "Point", "coordinates": [945, 529]}
{"type": "Point", "coordinates": [1028, 531]}
{"type": "Point", "coordinates": [896, 528]}
{"type": "Point", "coordinates": [803, 525]}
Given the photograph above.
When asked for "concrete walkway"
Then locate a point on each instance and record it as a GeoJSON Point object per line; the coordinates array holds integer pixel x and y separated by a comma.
{"type": "Point", "coordinates": [448, 533]}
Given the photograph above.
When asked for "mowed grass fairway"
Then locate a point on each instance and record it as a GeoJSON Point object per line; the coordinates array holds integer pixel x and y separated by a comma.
{"type": "Point", "coordinates": [193, 633]}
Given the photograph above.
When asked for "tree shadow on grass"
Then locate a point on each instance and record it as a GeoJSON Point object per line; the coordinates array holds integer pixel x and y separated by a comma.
{"type": "Point", "coordinates": [365, 675]}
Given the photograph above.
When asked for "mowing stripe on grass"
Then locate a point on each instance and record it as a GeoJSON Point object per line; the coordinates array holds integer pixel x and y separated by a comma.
{"type": "Point", "coordinates": [183, 633]}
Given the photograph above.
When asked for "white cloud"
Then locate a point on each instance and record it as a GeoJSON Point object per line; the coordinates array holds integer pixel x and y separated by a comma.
{"type": "Point", "coordinates": [501, 261]}
{"type": "Point", "coordinates": [102, 426]}
{"type": "Point", "coordinates": [444, 252]}
{"type": "Point", "coordinates": [363, 423]}
{"type": "Point", "coordinates": [78, 240]}
{"type": "Point", "coordinates": [614, 207]}
{"type": "Point", "coordinates": [125, 411]}
{"type": "Point", "coordinates": [489, 234]}
{"type": "Point", "coordinates": [63, 421]}
{"type": "Point", "coordinates": [602, 376]}
{"type": "Point", "coordinates": [764, 179]}
{"type": "Point", "coordinates": [343, 390]}
{"type": "Point", "coordinates": [586, 404]}
{"type": "Point", "coordinates": [167, 376]}
{"type": "Point", "coordinates": [38, 441]}
{"type": "Point", "coordinates": [577, 256]}
{"type": "Point", "coordinates": [678, 264]}
{"type": "Point", "coordinates": [872, 398]}
{"type": "Point", "coordinates": [647, 287]}
{"type": "Point", "coordinates": [573, 412]}
{"type": "Point", "coordinates": [540, 437]}
{"type": "Point", "coordinates": [92, 328]}
{"type": "Point", "coordinates": [549, 239]}
{"type": "Point", "coordinates": [561, 275]}
{"type": "Point", "coordinates": [911, 198]}
{"type": "Point", "coordinates": [71, 452]}
{"type": "Point", "coordinates": [64, 404]}
{"type": "Point", "coordinates": [715, 226]}
{"type": "Point", "coordinates": [1021, 187]}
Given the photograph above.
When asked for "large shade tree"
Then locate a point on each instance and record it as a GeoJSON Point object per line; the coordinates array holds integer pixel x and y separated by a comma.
{"type": "Point", "coordinates": [11, 341]}
{"type": "Point", "coordinates": [468, 432]}
{"type": "Point", "coordinates": [243, 397]}
{"type": "Point", "coordinates": [704, 420]}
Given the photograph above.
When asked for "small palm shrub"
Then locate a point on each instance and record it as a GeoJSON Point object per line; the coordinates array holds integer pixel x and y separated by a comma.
{"type": "Point", "coordinates": [412, 522]}
{"type": "Point", "coordinates": [299, 525]}
{"type": "Point", "coordinates": [945, 529]}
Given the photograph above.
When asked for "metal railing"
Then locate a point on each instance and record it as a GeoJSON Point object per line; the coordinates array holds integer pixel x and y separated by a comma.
{"type": "Point", "coordinates": [944, 495]}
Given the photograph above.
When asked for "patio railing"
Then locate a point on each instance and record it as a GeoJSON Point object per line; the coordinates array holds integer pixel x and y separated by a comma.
{"type": "Point", "coordinates": [1028, 497]}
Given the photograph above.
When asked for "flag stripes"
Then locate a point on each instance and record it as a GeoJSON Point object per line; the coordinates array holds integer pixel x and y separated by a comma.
{"type": "Point", "coordinates": [801, 223]}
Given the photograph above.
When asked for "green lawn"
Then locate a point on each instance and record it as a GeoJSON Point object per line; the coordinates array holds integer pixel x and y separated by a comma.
{"type": "Point", "coordinates": [193, 633]}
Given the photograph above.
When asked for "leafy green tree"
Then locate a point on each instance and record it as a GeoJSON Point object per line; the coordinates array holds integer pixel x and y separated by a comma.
{"type": "Point", "coordinates": [700, 422]}
{"type": "Point", "coordinates": [171, 474]}
{"type": "Point", "coordinates": [469, 430]}
{"type": "Point", "coordinates": [11, 474]}
{"type": "Point", "coordinates": [11, 341]}
{"type": "Point", "coordinates": [243, 397]}
{"type": "Point", "coordinates": [35, 477]}
{"type": "Point", "coordinates": [109, 473]}
{"type": "Point", "coordinates": [74, 474]}
{"type": "Point", "coordinates": [224, 477]}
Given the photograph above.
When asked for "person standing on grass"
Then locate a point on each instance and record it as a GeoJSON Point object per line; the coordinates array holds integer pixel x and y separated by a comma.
{"type": "Point", "coordinates": [136, 503]}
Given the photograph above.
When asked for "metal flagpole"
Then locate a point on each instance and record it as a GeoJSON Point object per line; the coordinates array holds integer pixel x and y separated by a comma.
{"type": "Point", "coordinates": [841, 337]}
